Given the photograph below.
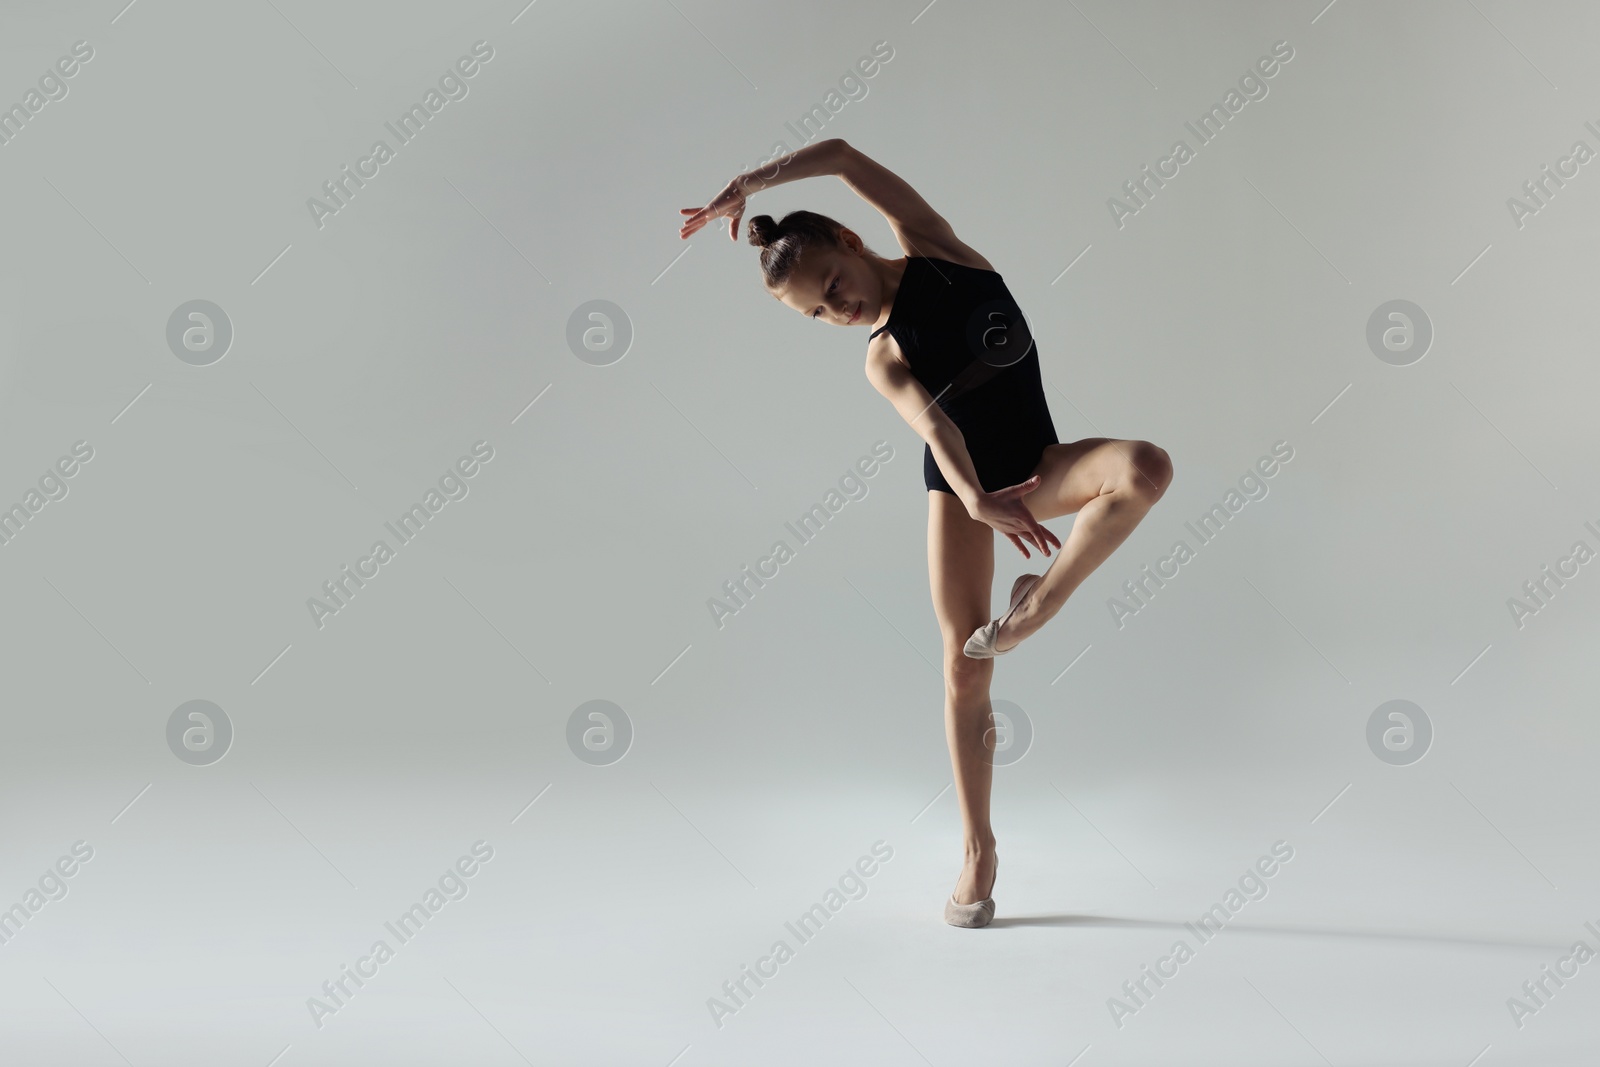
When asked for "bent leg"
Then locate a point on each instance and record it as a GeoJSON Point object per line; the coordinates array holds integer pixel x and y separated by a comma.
{"type": "Point", "coordinates": [960, 572]}
{"type": "Point", "coordinates": [1111, 484]}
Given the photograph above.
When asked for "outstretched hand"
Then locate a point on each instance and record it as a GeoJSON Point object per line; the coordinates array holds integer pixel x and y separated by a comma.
{"type": "Point", "coordinates": [729, 202]}
{"type": "Point", "coordinates": [1005, 510]}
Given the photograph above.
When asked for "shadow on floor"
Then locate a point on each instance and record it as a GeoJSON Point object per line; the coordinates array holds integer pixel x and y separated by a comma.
{"type": "Point", "coordinates": [1282, 931]}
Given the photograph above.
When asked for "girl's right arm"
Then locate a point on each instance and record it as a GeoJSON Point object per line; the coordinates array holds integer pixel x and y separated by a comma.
{"type": "Point", "coordinates": [1003, 509]}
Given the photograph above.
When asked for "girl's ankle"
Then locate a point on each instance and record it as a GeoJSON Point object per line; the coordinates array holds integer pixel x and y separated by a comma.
{"type": "Point", "coordinates": [976, 850]}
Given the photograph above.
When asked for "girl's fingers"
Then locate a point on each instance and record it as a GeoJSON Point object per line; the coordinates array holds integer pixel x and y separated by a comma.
{"type": "Point", "coordinates": [1042, 538]}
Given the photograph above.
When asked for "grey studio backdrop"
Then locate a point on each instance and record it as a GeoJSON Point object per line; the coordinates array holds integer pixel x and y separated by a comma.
{"type": "Point", "coordinates": [1338, 285]}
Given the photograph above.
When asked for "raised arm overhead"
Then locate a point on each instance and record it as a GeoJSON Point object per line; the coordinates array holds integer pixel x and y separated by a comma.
{"type": "Point", "coordinates": [919, 229]}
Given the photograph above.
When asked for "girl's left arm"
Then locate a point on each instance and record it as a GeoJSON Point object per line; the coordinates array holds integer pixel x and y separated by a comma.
{"type": "Point", "coordinates": [902, 206]}
{"type": "Point", "coordinates": [918, 228]}
{"type": "Point", "coordinates": [812, 161]}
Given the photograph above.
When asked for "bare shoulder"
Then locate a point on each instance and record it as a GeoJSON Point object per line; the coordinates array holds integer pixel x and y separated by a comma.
{"type": "Point", "coordinates": [943, 243]}
{"type": "Point", "coordinates": [883, 353]}
{"type": "Point", "coordinates": [919, 229]}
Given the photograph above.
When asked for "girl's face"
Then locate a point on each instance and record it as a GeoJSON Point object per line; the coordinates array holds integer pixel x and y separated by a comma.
{"type": "Point", "coordinates": [836, 286]}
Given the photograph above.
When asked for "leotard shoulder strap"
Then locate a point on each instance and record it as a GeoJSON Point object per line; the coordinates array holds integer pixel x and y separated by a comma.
{"type": "Point", "coordinates": [898, 298]}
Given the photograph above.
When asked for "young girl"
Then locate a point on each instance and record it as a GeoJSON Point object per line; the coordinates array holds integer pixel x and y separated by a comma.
{"type": "Point", "coordinates": [951, 351]}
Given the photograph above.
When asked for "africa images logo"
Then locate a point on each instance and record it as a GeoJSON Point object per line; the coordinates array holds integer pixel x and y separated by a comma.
{"type": "Point", "coordinates": [452, 85]}
{"type": "Point", "coordinates": [411, 523]}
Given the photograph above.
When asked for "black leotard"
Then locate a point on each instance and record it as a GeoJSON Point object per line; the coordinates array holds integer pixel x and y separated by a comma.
{"type": "Point", "coordinates": [967, 342]}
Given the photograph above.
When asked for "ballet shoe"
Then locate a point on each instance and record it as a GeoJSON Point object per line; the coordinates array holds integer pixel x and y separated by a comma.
{"type": "Point", "coordinates": [969, 915]}
{"type": "Point", "coordinates": [973, 915]}
{"type": "Point", "coordinates": [981, 644]}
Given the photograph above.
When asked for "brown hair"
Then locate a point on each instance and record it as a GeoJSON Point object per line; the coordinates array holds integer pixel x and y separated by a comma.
{"type": "Point", "coordinates": [782, 243]}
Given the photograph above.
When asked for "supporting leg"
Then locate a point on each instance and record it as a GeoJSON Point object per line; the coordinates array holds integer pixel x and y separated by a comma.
{"type": "Point", "coordinates": [969, 731]}
{"type": "Point", "coordinates": [960, 572]}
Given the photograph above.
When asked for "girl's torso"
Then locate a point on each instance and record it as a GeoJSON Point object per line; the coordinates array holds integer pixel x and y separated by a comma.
{"type": "Point", "coordinates": [961, 333]}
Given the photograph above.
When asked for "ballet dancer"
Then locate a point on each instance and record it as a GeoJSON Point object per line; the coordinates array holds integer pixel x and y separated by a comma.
{"type": "Point", "coordinates": [952, 352]}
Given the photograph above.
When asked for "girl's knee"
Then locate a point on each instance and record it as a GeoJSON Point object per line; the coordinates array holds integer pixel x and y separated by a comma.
{"type": "Point", "coordinates": [965, 678]}
{"type": "Point", "coordinates": [1149, 469]}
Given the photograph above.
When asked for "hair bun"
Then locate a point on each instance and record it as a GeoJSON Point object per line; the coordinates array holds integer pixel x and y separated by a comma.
{"type": "Point", "coordinates": [762, 230]}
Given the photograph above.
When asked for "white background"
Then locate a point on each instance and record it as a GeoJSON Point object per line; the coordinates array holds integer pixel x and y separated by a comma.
{"type": "Point", "coordinates": [369, 354]}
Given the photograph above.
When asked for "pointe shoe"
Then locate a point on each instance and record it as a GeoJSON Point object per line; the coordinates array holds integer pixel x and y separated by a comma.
{"type": "Point", "coordinates": [981, 644]}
